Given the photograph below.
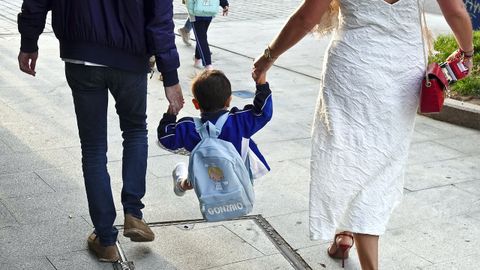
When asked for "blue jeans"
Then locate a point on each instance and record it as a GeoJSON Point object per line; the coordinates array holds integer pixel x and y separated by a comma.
{"type": "Point", "coordinates": [90, 86]}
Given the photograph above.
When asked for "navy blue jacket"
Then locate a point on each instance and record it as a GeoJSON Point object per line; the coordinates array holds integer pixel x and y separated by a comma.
{"type": "Point", "coordinates": [182, 137]}
{"type": "Point", "coordinates": [121, 34]}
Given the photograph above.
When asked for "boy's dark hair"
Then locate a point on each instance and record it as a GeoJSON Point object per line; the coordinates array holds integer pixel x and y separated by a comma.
{"type": "Point", "coordinates": [211, 89]}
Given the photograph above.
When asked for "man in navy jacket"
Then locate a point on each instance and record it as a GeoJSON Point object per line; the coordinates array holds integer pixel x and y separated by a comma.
{"type": "Point", "coordinates": [106, 45]}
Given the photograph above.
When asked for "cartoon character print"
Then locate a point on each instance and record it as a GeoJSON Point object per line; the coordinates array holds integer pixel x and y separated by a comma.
{"type": "Point", "coordinates": [216, 174]}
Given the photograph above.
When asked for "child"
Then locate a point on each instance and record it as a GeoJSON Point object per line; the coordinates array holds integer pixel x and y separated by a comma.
{"type": "Point", "coordinates": [200, 24]}
{"type": "Point", "coordinates": [212, 95]}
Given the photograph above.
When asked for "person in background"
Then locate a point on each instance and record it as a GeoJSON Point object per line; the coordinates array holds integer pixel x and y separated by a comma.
{"type": "Point", "coordinates": [107, 48]}
{"type": "Point", "coordinates": [203, 58]}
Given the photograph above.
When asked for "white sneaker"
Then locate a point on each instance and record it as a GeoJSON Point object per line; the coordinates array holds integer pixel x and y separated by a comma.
{"type": "Point", "coordinates": [179, 173]}
{"type": "Point", "coordinates": [185, 36]}
{"type": "Point", "coordinates": [209, 67]}
{"type": "Point", "coordinates": [197, 63]}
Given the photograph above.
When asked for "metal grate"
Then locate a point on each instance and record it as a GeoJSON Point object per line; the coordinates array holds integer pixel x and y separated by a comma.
{"type": "Point", "coordinates": [278, 241]}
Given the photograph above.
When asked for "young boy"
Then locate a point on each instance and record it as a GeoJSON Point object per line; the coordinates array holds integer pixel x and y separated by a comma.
{"type": "Point", "coordinates": [212, 96]}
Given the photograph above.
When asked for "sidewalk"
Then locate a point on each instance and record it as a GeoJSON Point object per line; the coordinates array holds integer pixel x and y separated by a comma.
{"type": "Point", "coordinates": [44, 221]}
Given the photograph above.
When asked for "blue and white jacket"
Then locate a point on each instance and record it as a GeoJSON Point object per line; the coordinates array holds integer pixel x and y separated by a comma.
{"type": "Point", "coordinates": [181, 136]}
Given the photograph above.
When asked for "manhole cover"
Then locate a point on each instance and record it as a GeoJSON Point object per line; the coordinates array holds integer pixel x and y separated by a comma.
{"type": "Point", "coordinates": [196, 244]}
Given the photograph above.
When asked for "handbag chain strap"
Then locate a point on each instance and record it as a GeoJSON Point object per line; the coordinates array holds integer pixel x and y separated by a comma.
{"type": "Point", "coordinates": [423, 25]}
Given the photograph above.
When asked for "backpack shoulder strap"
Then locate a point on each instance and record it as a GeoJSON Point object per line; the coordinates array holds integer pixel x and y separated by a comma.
{"type": "Point", "coordinates": [213, 130]}
{"type": "Point", "coordinates": [201, 128]}
{"type": "Point", "coordinates": [221, 121]}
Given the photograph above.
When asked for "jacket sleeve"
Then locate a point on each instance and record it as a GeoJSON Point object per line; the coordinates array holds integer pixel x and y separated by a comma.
{"type": "Point", "coordinates": [223, 3]}
{"type": "Point", "coordinates": [161, 38]}
{"type": "Point", "coordinates": [31, 22]}
{"type": "Point", "coordinates": [176, 136]}
{"type": "Point", "coordinates": [255, 116]}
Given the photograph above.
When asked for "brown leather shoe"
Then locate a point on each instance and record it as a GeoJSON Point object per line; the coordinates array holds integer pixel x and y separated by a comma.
{"type": "Point", "coordinates": [103, 253]}
{"type": "Point", "coordinates": [137, 230]}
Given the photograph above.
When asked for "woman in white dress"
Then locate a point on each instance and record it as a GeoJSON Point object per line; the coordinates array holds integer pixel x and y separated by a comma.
{"type": "Point", "coordinates": [365, 112]}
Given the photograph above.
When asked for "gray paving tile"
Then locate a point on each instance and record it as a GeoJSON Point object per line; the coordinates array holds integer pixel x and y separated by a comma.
{"type": "Point", "coordinates": [27, 162]}
{"type": "Point", "coordinates": [48, 238]}
{"type": "Point", "coordinates": [63, 178]}
{"type": "Point", "coordinates": [21, 184]}
{"type": "Point", "coordinates": [78, 260]}
{"type": "Point", "coordinates": [191, 249]}
{"type": "Point", "coordinates": [6, 218]}
{"type": "Point", "coordinates": [5, 149]}
{"type": "Point", "coordinates": [295, 229]}
{"type": "Point", "coordinates": [432, 203]}
{"type": "Point", "coordinates": [54, 206]}
{"type": "Point", "coordinates": [277, 262]}
{"type": "Point", "coordinates": [472, 187]}
{"type": "Point", "coordinates": [441, 240]}
{"type": "Point", "coordinates": [440, 173]}
{"type": "Point", "coordinates": [436, 130]}
{"type": "Point", "coordinates": [461, 263]}
{"type": "Point", "coordinates": [28, 263]}
{"type": "Point", "coordinates": [251, 233]}
{"type": "Point", "coordinates": [286, 150]}
{"type": "Point", "coordinates": [273, 200]}
{"type": "Point", "coordinates": [396, 257]}
{"type": "Point", "coordinates": [162, 166]}
{"type": "Point", "coordinates": [468, 144]}
{"type": "Point", "coordinates": [317, 258]}
{"type": "Point", "coordinates": [430, 151]}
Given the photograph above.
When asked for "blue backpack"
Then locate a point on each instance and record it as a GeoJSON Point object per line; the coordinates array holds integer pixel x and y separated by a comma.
{"type": "Point", "coordinates": [203, 8]}
{"type": "Point", "coordinates": [219, 175]}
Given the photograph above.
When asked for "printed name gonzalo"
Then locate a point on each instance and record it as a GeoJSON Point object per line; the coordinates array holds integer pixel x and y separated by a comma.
{"type": "Point", "coordinates": [225, 208]}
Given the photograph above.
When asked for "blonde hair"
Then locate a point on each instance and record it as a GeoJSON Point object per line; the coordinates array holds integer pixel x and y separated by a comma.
{"type": "Point", "coordinates": [329, 20]}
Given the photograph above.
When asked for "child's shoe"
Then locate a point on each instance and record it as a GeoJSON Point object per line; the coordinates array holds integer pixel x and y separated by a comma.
{"type": "Point", "coordinates": [180, 173]}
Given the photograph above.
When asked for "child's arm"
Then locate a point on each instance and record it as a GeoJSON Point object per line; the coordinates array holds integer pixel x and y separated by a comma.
{"type": "Point", "coordinates": [255, 116]}
{"type": "Point", "coordinates": [171, 135]}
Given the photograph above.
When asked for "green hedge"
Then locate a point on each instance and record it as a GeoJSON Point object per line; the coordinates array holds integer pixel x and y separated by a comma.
{"type": "Point", "coordinates": [445, 45]}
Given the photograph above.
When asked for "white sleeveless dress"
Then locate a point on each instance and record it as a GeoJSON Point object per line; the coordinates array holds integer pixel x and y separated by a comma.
{"type": "Point", "coordinates": [365, 116]}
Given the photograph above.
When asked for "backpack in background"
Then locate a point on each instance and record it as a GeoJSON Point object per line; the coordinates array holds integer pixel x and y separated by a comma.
{"type": "Point", "coordinates": [219, 175]}
{"type": "Point", "coordinates": [203, 8]}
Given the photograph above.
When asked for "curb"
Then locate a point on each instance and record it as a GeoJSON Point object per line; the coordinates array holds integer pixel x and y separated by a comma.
{"type": "Point", "coordinates": [459, 113]}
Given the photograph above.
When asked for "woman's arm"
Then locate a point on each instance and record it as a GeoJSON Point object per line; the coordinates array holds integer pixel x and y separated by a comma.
{"type": "Point", "coordinates": [300, 23]}
{"type": "Point", "coordinates": [457, 17]}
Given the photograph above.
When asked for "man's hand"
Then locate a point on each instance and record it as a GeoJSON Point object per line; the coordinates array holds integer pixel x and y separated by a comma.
{"type": "Point", "coordinates": [225, 11]}
{"type": "Point", "coordinates": [27, 62]}
{"type": "Point", "coordinates": [175, 98]}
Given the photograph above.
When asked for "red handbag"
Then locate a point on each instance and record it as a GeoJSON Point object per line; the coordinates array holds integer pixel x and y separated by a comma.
{"type": "Point", "coordinates": [433, 90]}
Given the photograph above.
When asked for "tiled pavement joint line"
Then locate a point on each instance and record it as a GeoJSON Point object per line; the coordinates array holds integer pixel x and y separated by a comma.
{"type": "Point", "coordinates": [277, 240]}
{"type": "Point", "coordinates": [45, 182]}
{"type": "Point", "coordinates": [50, 262]}
{"type": "Point", "coordinates": [10, 212]}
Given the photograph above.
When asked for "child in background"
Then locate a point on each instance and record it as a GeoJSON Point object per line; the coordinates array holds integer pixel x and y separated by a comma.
{"type": "Point", "coordinates": [203, 58]}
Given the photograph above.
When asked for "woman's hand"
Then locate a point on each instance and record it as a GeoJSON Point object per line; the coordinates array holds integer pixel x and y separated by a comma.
{"type": "Point", "coordinates": [260, 67]}
{"type": "Point", "coordinates": [465, 57]}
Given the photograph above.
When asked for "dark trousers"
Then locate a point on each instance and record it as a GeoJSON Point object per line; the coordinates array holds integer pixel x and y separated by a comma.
{"type": "Point", "coordinates": [90, 86]}
{"type": "Point", "coordinates": [202, 50]}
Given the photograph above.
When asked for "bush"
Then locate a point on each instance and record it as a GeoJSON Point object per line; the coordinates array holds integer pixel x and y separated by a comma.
{"type": "Point", "coordinates": [445, 45]}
